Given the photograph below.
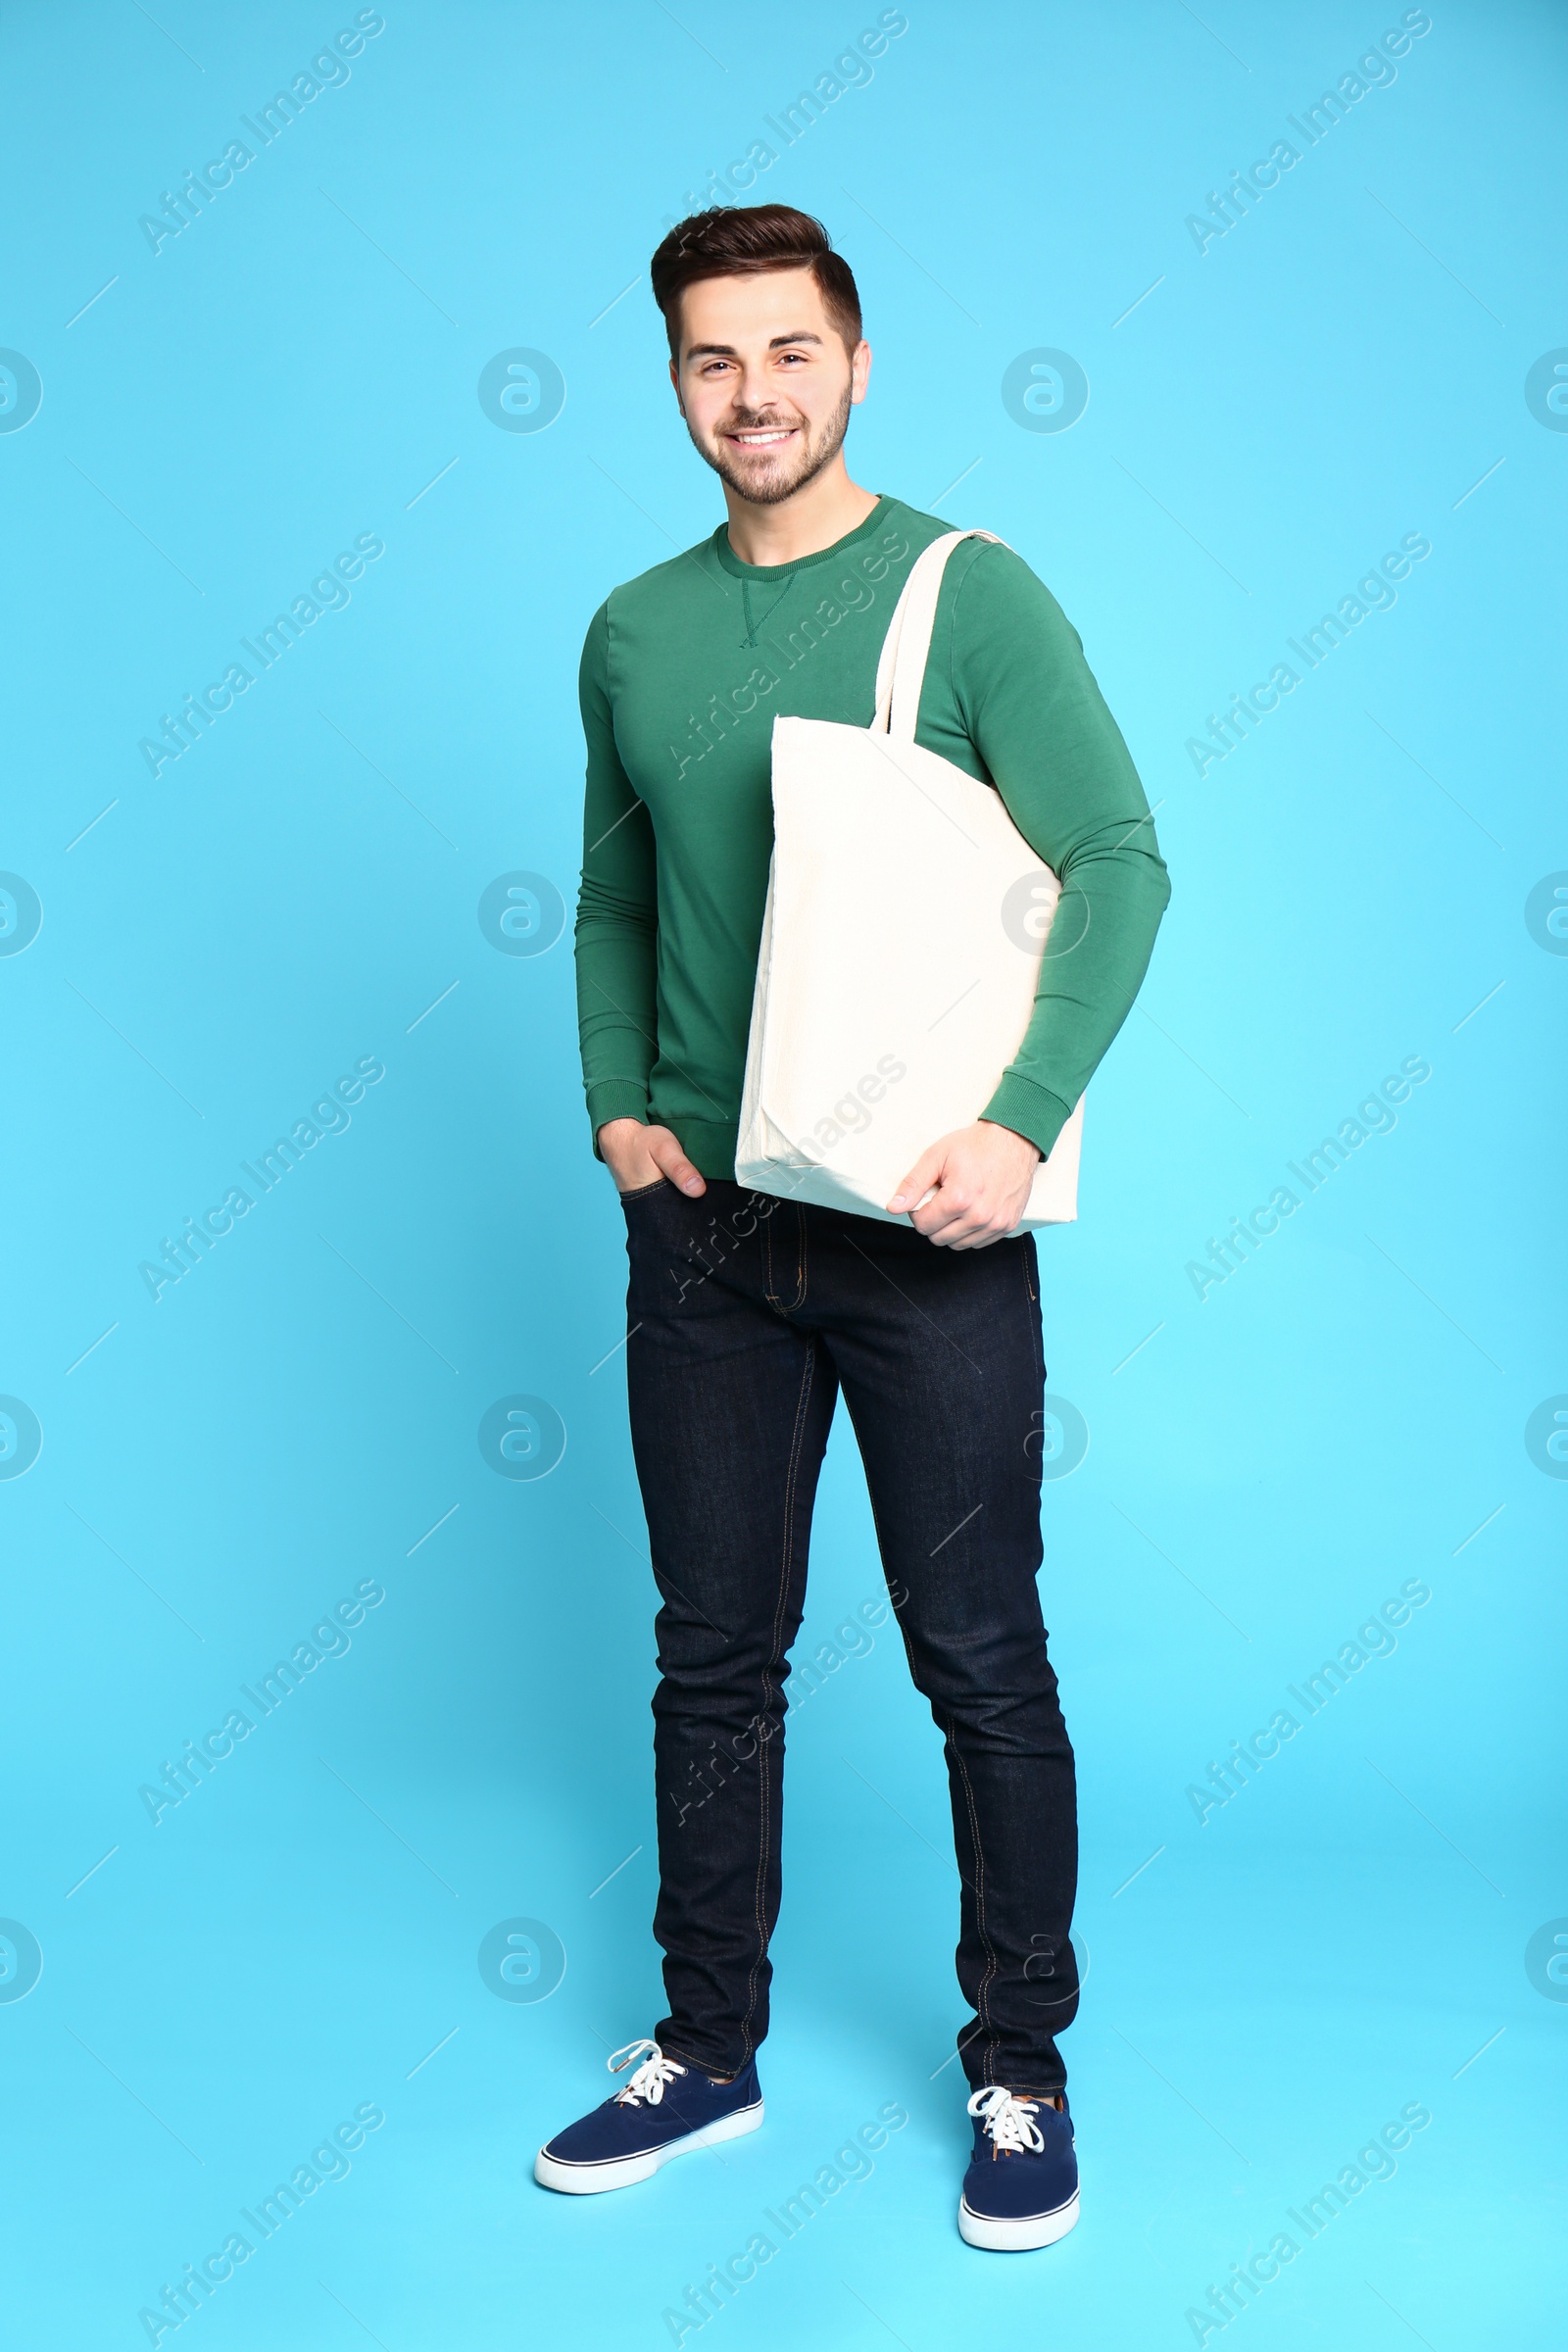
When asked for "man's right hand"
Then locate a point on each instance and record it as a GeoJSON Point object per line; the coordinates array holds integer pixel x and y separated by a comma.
{"type": "Point", "coordinates": [637, 1154]}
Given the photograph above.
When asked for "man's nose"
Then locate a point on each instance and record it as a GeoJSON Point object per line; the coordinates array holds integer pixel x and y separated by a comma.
{"type": "Point", "coordinates": [753, 391]}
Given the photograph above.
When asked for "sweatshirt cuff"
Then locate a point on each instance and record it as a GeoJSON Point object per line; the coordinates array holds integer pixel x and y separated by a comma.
{"type": "Point", "coordinates": [614, 1098]}
{"type": "Point", "coordinates": [1030, 1110]}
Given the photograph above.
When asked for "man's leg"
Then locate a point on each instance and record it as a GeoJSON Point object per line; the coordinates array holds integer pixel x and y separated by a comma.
{"type": "Point", "coordinates": [939, 1353]}
{"type": "Point", "coordinates": [730, 1409]}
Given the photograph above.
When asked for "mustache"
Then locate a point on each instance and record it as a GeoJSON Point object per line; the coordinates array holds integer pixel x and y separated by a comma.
{"type": "Point", "coordinates": [745, 420]}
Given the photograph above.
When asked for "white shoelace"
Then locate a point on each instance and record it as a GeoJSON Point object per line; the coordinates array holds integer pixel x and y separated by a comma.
{"type": "Point", "coordinates": [650, 2078]}
{"type": "Point", "coordinates": [1008, 2121]}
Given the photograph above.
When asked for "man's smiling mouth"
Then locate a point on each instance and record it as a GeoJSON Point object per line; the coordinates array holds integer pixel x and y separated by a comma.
{"type": "Point", "coordinates": [764, 436]}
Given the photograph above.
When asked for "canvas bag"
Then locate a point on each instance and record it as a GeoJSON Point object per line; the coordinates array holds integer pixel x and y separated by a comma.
{"type": "Point", "coordinates": [905, 922]}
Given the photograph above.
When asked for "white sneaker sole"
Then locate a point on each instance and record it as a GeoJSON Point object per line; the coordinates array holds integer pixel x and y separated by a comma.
{"type": "Point", "coordinates": [1016, 2236]}
{"type": "Point", "coordinates": [588, 2179]}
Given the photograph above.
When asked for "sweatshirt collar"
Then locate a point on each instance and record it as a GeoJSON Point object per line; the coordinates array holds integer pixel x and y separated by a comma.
{"type": "Point", "coordinates": [732, 562]}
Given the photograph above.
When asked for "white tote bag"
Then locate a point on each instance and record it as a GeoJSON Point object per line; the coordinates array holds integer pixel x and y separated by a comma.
{"type": "Point", "coordinates": [905, 922]}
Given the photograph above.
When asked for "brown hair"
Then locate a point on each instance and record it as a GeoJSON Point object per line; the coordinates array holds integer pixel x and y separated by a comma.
{"type": "Point", "coordinates": [744, 241]}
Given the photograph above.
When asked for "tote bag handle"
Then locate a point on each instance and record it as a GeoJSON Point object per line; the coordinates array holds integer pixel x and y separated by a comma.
{"type": "Point", "coordinates": [900, 670]}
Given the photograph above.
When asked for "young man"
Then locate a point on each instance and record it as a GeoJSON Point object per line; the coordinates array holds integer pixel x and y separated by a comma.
{"type": "Point", "coordinates": [747, 1313]}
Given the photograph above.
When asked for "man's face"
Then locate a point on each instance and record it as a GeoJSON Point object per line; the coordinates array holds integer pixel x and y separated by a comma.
{"type": "Point", "coordinates": [764, 381]}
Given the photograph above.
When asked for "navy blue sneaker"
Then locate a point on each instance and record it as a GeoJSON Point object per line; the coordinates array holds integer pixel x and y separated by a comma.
{"type": "Point", "coordinates": [1021, 2188]}
{"type": "Point", "coordinates": [664, 2110]}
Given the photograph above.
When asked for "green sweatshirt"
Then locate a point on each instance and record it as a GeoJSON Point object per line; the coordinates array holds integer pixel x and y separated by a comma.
{"type": "Point", "coordinates": [682, 674]}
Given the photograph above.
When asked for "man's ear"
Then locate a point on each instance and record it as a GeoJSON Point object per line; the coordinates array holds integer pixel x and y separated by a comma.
{"type": "Point", "coordinates": [674, 377]}
{"type": "Point", "coordinates": [859, 371]}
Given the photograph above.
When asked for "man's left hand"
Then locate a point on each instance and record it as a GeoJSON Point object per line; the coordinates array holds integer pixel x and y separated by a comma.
{"type": "Point", "coordinates": [982, 1176]}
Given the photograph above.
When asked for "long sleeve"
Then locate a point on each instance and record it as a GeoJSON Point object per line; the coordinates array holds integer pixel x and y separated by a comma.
{"type": "Point", "coordinates": [1056, 756]}
{"type": "Point", "coordinates": [616, 936]}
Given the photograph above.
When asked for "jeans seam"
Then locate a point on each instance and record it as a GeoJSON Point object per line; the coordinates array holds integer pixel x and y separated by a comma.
{"type": "Point", "coordinates": [1032, 1312]}
{"type": "Point", "coordinates": [769, 1282]}
{"type": "Point", "coordinates": [799, 1299]}
{"type": "Point", "coordinates": [882, 1555]}
{"type": "Point", "coordinates": [947, 1720]}
{"type": "Point", "coordinates": [992, 1965]}
{"type": "Point", "coordinates": [764, 1786]}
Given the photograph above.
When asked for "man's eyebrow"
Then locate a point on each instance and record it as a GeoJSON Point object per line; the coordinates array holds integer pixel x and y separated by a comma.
{"type": "Point", "coordinates": [727, 351]}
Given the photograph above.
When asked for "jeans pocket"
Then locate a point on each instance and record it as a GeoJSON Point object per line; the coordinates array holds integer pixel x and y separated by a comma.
{"type": "Point", "coordinates": [643, 1192]}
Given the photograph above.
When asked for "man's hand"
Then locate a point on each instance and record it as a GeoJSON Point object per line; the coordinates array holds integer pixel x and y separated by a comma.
{"type": "Point", "coordinates": [636, 1155]}
{"type": "Point", "coordinates": [982, 1176]}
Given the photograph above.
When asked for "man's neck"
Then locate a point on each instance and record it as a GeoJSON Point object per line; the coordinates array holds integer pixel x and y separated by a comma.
{"type": "Point", "coordinates": [820, 512]}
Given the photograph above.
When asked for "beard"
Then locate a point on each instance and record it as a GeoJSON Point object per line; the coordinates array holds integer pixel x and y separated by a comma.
{"type": "Point", "coordinates": [766, 479]}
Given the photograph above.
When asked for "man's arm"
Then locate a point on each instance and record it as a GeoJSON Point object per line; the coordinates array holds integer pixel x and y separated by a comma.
{"type": "Point", "coordinates": [616, 948]}
{"type": "Point", "coordinates": [1033, 710]}
{"type": "Point", "coordinates": [617, 927]}
{"type": "Point", "coordinates": [1056, 756]}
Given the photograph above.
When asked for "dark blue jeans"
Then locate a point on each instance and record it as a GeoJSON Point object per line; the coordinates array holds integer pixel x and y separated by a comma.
{"type": "Point", "coordinates": [746, 1315]}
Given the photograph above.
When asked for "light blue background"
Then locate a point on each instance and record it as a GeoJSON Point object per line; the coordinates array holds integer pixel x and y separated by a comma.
{"type": "Point", "coordinates": [299, 888]}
